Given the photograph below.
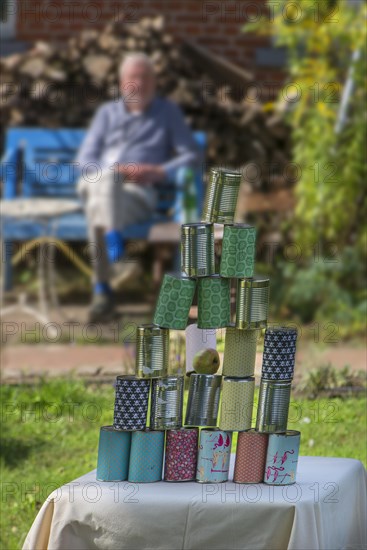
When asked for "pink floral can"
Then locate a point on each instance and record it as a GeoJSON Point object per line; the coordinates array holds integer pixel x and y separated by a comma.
{"type": "Point", "coordinates": [181, 454]}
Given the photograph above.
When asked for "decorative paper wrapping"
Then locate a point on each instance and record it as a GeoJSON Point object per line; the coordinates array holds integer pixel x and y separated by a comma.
{"type": "Point", "coordinates": [181, 454]}
{"type": "Point", "coordinates": [113, 454]}
{"type": "Point", "coordinates": [221, 195]}
{"type": "Point", "coordinates": [197, 249]}
{"type": "Point", "coordinates": [250, 457]}
{"type": "Point", "coordinates": [166, 403]}
{"type": "Point", "coordinates": [203, 400]}
{"type": "Point", "coordinates": [196, 340]}
{"type": "Point", "coordinates": [213, 456]}
{"type": "Point", "coordinates": [237, 403]}
{"type": "Point", "coordinates": [174, 302]}
{"type": "Point", "coordinates": [152, 351]}
{"type": "Point", "coordinates": [146, 456]}
{"type": "Point", "coordinates": [238, 251]}
{"type": "Point", "coordinates": [240, 352]}
{"type": "Point", "coordinates": [131, 403]}
{"type": "Point", "coordinates": [214, 302]}
{"type": "Point", "coordinates": [282, 458]}
{"type": "Point", "coordinates": [279, 353]}
{"type": "Point", "coordinates": [273, 406]}
{"type": "Point", "coordinates": [252, 303]}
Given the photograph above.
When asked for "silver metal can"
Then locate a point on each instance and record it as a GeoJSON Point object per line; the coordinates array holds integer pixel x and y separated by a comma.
{"type": "Point", "coordinates": [197, 249]}
{"type": "Point", "coordinates": [221, 195]}
{"type": "Point", "coordinates": [152, 351]}
{"type": "Point", "coordinates": [273, 405]}
{"type": "Point", "coordinates": [203, 400]}
{"type": "Point", "coordinates": [252, 303]}
{"type": "Point", "coordinates": [167, 403]}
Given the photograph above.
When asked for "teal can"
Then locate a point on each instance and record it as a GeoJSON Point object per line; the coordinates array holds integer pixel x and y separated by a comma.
{"type": "Point", "coordinates": [113, 454]}
{"type": "Point", "coordinates": [213, 456]}
{"type": "Point", "coordinates": [282, 458]}
{"type": "Point", "coordinates": [146, 456]}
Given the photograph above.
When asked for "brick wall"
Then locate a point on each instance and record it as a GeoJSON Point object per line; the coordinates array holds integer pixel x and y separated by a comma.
{"type": "Point", "coordinates": [215, 24]}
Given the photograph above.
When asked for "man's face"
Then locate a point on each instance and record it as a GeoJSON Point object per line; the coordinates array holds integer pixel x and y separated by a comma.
{"type": "Point", "coordinates": [137, 85]}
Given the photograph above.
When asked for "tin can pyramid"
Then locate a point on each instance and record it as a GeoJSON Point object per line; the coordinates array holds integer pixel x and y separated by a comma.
{"type": "Point", "coordinates": [200, 448]}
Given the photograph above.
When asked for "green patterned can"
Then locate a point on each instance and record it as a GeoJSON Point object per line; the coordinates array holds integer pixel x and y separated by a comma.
{"type": "Point", "coordinates": [152, 351]}
{"type": "Point", "coordinates": [240, 352]}
{"type": "Point", "coordinates": [174, 302]}
{"type": "Point", "coordinates": [221, 195]}
{"type": "Point", "coordinates": [238, 251]}
{"type": "Point", "coordinates": [214, 302]}
{"type": "Point", "coordinates": [197, 249]}
{"type": "Point", "coordinates": [252, 303]}
{"type": "Point", "coordinates": [237, 404]}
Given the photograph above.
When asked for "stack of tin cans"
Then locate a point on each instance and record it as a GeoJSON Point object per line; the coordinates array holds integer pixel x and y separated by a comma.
{"type": "Point", "coordinates": [218, 405]}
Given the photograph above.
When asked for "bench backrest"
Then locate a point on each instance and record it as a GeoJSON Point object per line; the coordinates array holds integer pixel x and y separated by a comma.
{"type": "Point", "coordinates": [39, 162]}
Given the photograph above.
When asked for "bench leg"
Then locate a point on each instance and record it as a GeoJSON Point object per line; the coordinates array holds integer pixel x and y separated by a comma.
{"type": "Point", "coordinates": [6, 267]}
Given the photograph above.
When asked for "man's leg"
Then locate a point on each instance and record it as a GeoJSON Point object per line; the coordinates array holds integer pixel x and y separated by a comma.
{"type": "Point", "coordinates": [110, 206]}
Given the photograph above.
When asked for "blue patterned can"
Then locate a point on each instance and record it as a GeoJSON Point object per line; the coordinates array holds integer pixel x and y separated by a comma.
{"type": "Point", "coordinates": [146, 456]}
{"type": "Point", "coordinates": [113, 454]}
{"type": "Point", "coordinates": [282, 458]}
{"type": "Point", "coordinates": [214, 456]}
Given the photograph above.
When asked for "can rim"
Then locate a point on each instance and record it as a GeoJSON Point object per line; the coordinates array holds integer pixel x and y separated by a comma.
{"type": "Point", "coordinates": [206, 375]}
{"type": "Point", "coordinates": [238, 226]}
{"type": "Point", "coordinates": [267, 382]}
{"type": "Point", "coordinates": [238, 379]}
{"type": "Point", "coordinates": [188, 226]}
{"type": "Point", "coordinates": [224, 170]}
{"type": "Point", "coordinates": [287, 433]}
{"type": "Point", "coordinates": [151, 329]}
{"type": "Point", "coordinates": [254, 282]}
{"type": "Point", "coordinates": [282, 329]}
{"type": "Point", "coordinates": [130, 377]}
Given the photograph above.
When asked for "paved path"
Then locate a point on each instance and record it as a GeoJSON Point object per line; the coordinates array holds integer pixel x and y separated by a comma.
{"type": "Point", "coordinates": [26, 361]}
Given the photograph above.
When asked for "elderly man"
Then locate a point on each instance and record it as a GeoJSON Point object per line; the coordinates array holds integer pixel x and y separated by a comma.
{"type": "Point", "coordinates": [131, 145]}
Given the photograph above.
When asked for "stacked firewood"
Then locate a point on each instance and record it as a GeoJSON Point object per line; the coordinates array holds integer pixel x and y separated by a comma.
{"type": "Point", "coordinates": [61, 86]}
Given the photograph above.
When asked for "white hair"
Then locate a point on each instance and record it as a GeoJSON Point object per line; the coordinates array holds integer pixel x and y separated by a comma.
{"type": "Point", "coordinates": [135, 58]}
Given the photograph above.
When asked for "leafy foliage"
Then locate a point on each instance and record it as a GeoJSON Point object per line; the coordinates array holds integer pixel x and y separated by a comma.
{"type": "Point", "coordinates": [326, 44]}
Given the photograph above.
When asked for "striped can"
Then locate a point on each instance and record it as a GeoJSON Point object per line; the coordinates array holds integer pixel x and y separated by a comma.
{"type": "Point", "coordinates": [214, 302]}
{"type": "Point", "coordinates": [282, 458]}
{"type": "Point", "coordinates": [213, 456]}
{"type": "Point", "coordinates": [167, 403]}
{"type": "Point", "coordinates": [146, 456]}
{"type": "Point", "coordinates": [181, 454]}
{"type": "Point", "coordinates": [252, 303]}
{"type": "Point", "coordinates": [250, 457]}
{"type": "Point", "coordinates": [273, 405]}
{"type": "Point", "coordinates": [197, 249]}
{"type": "Point", "coordinates": [113, 454]}
{"type": "Point", "coordinates": [240, 352]}
{"type": "Point", "coordinates": [279, 353]}
{"type": "Point", "coordinates": [221, 195]}
{"type": "Point", "coordinates": [238, 251]}
{"type": "Point", "coordinates": [203, 400]}
{"type": "Point", "coordinates": [152, 351]}
{"type": "Point", "coordinates": [131, 403]}
{"type": "Point", "coordinates": [174, 302]}
{"type": "Point", "coordinates": [237, 404]}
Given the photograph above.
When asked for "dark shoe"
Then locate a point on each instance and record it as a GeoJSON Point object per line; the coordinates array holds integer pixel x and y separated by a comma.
{"type": "Point", "coordinates": [102, 309]}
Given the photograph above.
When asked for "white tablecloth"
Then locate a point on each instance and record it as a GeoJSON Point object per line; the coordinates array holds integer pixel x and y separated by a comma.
{"type": "Point", "coordinates": [325, 509]}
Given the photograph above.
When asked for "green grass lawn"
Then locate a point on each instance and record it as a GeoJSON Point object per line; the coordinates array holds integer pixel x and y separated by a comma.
{"type": "Point", "coordinates": [50, 436]}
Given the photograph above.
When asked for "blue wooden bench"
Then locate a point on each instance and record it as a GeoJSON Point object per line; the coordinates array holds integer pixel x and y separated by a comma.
{"type": "Point", "coordinates": [39, 162]}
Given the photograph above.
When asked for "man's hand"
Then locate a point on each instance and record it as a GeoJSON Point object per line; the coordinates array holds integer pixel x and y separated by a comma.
{"type": "Point", "coordinates": [142, 173]}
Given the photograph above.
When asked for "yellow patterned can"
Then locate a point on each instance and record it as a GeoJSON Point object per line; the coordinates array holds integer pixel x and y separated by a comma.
{"type": "Point", "coordinates": [240, 352]}
{"type": "Point", "coordinates": [237, 404]}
